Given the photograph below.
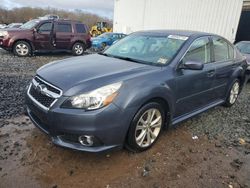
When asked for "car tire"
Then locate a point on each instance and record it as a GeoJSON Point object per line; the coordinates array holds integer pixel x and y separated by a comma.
{"type": "Point", "coordinates": [143, 132]}
{"type": "Point", "coordinates": [78, 49]}
{"type": "Point", "coordinates": [22, 49]}
{"type": "Point", "coordinates": [233, 93]}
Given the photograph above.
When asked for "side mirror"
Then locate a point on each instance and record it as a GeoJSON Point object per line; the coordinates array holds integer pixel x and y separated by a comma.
{"type": "Point", "coordinates": [192, 65]}
{"type": "Point", "coordinates": [35, 30]}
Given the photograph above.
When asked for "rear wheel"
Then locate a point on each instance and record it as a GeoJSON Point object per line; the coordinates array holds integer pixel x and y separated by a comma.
{"type": "Point", "coordinates": [145, 128]}
{"type": "Point", "coordinates": [22, 49]}
{"type": "Point", "coordinates": [78, 48]}
{"type": "Point", "coordinates": [233, 94]}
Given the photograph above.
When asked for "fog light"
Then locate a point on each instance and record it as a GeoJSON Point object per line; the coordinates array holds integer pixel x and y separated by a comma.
{"type": "Point", "coordinates": [86, 140]}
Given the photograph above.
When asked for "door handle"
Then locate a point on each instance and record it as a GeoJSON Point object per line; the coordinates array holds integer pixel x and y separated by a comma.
{"type": "Point", "coordinates": [211, 73]}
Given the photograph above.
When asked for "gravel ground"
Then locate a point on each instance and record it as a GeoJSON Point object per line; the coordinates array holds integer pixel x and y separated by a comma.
{"type": "Point", "coordinates": [219, 155]}
{"type": "Point", "coordinates": [227, 124]}
{"type": "Point", "coordinates": [15, 75]}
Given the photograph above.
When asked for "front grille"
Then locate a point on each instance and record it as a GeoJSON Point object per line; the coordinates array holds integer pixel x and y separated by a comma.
{"type": "Point", "coordinates": [42, 99]}
{"type": "Point", "coordinates": [54, 90]}
{"type": "Point", "coordinates": [46, 95]}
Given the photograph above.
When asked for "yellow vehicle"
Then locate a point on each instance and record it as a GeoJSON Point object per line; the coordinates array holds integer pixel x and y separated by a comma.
{"type": "Point", "coordinates": [99, 28]}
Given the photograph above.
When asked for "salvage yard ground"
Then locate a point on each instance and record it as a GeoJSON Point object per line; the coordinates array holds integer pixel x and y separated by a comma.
{"type": "Point", "coordinates": [210, 150]}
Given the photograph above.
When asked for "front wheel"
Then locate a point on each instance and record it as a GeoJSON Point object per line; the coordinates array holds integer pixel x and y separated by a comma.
{"type": "Point", "coordinates": [145, 128]}
{"type": "Point", "coordinates": [233, 94]}
{"type": "Point", "coordinates": [22, 49]}
{"type": "Point", "coordinates": [78, 49]}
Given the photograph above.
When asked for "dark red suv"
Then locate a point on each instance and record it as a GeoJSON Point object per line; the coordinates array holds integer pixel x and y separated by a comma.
{"type": "Point", "coordinates": [46, 36]}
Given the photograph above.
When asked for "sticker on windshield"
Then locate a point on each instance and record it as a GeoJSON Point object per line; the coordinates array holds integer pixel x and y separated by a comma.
{"type": "Point", "coordinates": [178, 37]}
{"type": "Point", "coordinates": [162, 60]}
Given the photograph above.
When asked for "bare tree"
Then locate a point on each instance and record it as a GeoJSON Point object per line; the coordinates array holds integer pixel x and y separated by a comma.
{"type": "Point", "coordinates": [25, 14]}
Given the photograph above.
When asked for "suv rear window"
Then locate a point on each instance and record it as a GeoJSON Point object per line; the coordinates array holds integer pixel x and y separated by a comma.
{"type": "Point", "coordinates": [80, 28]}
{"type": "Point", "coordinates": [64, 27]}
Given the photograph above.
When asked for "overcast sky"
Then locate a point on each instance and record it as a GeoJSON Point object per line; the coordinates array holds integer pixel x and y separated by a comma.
{"type": "Point", "coordinates": [101, 7]}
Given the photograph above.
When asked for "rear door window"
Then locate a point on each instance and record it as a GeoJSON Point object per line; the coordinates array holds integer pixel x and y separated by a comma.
{"type": "Point", "coordinates": [199, 51]}
{"type": "Point", "coordinates": [231, 52]}
{"type": "Point", "coordinates": [223, 51]}
{"type": "Point", "coordinates": [80, 28]}
{"type": "Point", "coordinates": [64, 28]}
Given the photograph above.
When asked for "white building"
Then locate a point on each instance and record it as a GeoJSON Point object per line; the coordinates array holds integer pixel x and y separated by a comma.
{"type": "Point", "coordinates": [215, 16]}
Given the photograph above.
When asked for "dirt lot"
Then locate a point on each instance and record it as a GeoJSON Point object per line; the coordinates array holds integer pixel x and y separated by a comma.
{"type": "Point", "coordinates": [220, 157]}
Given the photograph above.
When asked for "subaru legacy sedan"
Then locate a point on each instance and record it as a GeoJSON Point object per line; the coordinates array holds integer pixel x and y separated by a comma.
{"type": "Point", "coordinates": [126, 95]}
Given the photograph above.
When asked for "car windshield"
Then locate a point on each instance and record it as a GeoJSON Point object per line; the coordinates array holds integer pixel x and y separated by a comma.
{"type": "Point", "coordinates": [244, 47]}
{"type": "Point", "coordinates": [154, 50]}
{"type": "Point", "coordinates": [30, 24]}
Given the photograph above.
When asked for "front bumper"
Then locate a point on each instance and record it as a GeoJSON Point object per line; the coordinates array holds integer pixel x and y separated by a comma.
{"type": "Point", "coordinates": [108, 125]}
{"type": "Point", "coordinates": [6, 43]}
{"type": "Point", "coordinates": [96, 45]}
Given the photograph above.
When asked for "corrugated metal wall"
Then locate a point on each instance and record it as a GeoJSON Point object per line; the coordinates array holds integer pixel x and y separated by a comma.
{"type": "Point", "coordinates": [215, 16]}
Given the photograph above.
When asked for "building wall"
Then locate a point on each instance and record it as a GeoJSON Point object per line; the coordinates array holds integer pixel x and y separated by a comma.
{"type": "Point", "coordinates": [215, 16]}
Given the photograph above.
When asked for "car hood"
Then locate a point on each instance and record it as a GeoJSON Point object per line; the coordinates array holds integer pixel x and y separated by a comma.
{"type": "Point", "coordinates": [16, 30]}
{"type": "Point", "coordinates": [85, 73]}
{"type": "Point", "coordinates": [98, 39]}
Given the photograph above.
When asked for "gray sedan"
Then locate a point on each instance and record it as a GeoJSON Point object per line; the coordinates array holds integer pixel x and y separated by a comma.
{"type": "Point", "coordinates": [126, 95]}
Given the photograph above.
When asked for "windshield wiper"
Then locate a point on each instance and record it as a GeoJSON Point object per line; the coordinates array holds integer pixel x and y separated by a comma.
{"type": "Point", "coordinates": [105, 54]}
{"type": "Point", "coordinates": [101, 53]}
{"type": "Point", "coordinates": [133, 60]}
{"type": "Point", "coordinates": [127, 58]}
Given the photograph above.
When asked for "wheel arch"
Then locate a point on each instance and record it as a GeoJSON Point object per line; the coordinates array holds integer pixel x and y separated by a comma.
{"type": "Point", "coordinates": [165, 104]}
{"type": "Point", "coordinates": [159, 100]}
{"type": "Point", "coordinates": [78, 41]}
{"type": "Point", "coordinates": [26, 40]}
{"type": "Point", "coordinates": [239, 74]}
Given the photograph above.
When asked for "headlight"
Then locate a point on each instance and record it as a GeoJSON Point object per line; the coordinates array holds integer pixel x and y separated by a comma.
{"type": "Point", "coordinates": [95, 99]}
{"type": "Point", "coordinates": [3, 33]}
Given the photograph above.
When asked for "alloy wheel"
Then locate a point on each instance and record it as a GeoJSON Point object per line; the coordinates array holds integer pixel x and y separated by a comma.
{"type": "Point", "coordinates": [148, 127]}
{"type": "Point", "coordinates": [234, 92]}
{"type": "Point", "coordinates": [78, 49]}
{"type": "Point", "coordinates": [22, 49]}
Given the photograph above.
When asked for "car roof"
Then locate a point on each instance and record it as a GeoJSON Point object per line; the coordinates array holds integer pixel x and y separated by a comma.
{"type": "Point", "coordinates": [175, 32]}
{"type": "Point", "coordinates": [61, 20]}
